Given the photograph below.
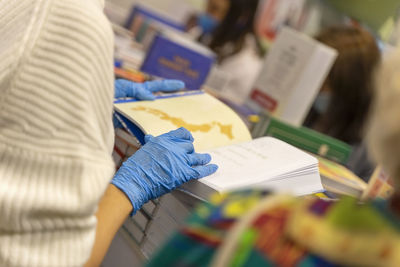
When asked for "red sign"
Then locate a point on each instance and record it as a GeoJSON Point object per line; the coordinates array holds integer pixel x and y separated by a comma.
{"type": "Point", "coordinates": [264, 100]}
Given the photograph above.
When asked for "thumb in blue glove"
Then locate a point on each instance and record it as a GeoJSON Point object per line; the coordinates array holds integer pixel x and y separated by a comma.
{"type": "Point", "coordinates": [161, 165]}
{"type": "Point", "coordinates": [144, 91]}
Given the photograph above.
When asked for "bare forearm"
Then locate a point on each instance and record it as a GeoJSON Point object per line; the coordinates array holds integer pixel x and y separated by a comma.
{"type": "Point", "coordinates": [114, 208]}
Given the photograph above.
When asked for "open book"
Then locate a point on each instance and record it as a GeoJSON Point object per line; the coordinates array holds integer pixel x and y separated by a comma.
{"type": "Point", "coordinates": [243, 163]}
{"type": "Point", "coordinates": [266, 163]}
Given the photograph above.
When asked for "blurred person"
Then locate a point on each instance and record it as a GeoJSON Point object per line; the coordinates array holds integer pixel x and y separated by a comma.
{"type": "Point", "coordinates": [253, 228]}
{"type": "Point", "coordinates": [61, 201]}
{"type": "Point", "coordinates": [229, 38]}
{"type": "Point", "coordinates": [341, 108]}
{"type": "Point", "coordinates": [236, 45]}
{"type": "Point", "coordinates": [206, 22]}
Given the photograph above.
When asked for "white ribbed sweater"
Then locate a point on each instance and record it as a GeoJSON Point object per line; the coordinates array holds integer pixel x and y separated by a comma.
{"type": "Point", "coordinates": [56, 90]}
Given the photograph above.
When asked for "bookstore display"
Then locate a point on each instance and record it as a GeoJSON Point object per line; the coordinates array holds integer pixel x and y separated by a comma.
{"type": "Point", "coordinates": [278, 154]}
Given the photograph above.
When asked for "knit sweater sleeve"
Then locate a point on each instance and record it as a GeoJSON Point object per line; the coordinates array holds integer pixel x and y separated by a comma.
{"type": "Point", "coordinates": [56, 136]}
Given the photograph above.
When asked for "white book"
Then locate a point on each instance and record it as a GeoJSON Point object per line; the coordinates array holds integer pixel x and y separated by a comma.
{"type": "Point", "coordinates": [263, 163]}
{"type": "Point", "coordinates": [291, 77]}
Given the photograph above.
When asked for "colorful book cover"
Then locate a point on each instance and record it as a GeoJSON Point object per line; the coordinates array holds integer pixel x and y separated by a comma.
{"type": "Point", "coordinates": [380, 185]}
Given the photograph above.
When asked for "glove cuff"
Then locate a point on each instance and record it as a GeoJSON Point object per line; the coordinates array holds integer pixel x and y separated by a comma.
{"type": "Point", "coordinates": [125, 180]}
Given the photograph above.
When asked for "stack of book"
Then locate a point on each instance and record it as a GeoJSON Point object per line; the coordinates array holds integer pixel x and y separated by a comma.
{"type": "Point", "coordinates": [339, 180]}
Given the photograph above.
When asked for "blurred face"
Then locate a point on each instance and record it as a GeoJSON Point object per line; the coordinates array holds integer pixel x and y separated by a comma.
{"type": "Point", "coordinates": [217, 9]}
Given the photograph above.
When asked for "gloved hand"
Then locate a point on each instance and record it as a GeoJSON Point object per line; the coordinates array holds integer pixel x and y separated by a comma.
{"type": "Point", "coordinates": [144, 91]}
{"type": "Point", "coordinates": [162, 164]}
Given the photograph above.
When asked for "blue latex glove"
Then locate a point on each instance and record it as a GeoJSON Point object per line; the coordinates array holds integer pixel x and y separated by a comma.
{"type": "Point", "coordinates": [162, 164]}
{"type": "Point", "coordinates": [144, 91]}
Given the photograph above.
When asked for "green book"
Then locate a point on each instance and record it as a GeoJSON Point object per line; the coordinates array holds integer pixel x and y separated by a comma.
{"type": "Point", "coordinates": [304, 138]}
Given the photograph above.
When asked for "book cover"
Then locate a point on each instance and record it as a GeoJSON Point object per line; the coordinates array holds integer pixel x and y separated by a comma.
{"type": "Point", "coordinates": [172, 59]}
{"type": "Point", "coordinates": [292, 74]}
{"type": "Point", "coordinates": [211, 122]}
{"type": "Point", "coordinates": [308, 140]}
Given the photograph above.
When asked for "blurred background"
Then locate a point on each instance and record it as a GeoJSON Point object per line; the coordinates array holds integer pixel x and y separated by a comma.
{"type": "Point", "coordinates": [307, 15]}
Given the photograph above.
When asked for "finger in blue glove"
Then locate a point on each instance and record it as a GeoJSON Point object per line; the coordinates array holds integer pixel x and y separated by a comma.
{"type": "Point", "coordinates": [144, 91]}
{"type": "Point", "coordinates": [162, 164]}
{"type": "Point", "coordinates": [164, 85]}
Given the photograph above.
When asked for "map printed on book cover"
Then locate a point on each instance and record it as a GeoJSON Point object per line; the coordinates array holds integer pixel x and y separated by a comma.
{"type": "Point", "coordinates": [211, 122]}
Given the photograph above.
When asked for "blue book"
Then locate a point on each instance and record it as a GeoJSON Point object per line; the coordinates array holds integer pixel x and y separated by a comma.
{"type": "Point", "coordinates": [172, 59]}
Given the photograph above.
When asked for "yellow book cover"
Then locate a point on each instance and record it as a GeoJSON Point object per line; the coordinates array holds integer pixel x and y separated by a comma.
{"type": "Point", "coordinates": [338, 179]}
{"type": "Point", "coordinates": [211, 122]}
